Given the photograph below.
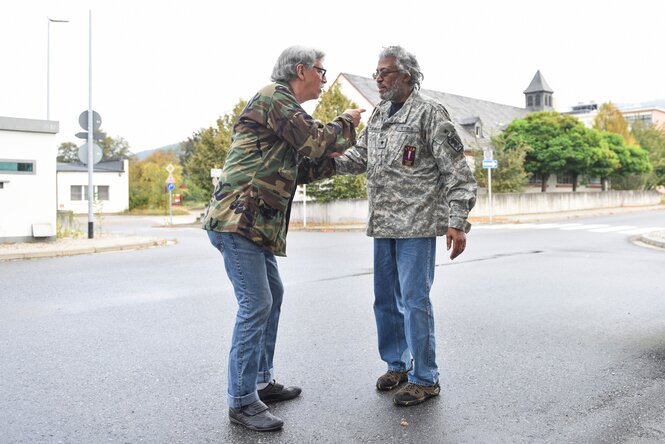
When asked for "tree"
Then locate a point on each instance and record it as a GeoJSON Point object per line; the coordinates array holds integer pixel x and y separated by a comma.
{"type": "Point", "coordinates": [147, 180]}
{"type": "Point", "coordinates": [511, 175]}
{"type": "Point", "coordinates": [112, 148]}
{"type": "Point", "coordinates": [652, 139]}
{"type": "Point", "coordinates": [115, 148]}
{"type": "Point", "coordinates": [68, 152]}
{"type": "Point", "coordinates": [333, 103]}
{"type": "Point", "coordinates": [604, 161]}
{"type": "Point", "coordinates": [609, 118]}
{"type": "Point", "coordinates": [556, 143]}
{"type": "Point", "coordinates": [207, 148]}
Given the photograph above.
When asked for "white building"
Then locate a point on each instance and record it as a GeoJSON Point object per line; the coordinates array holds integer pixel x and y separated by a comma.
{"type": "Point", "coordinates": [110, 181]}
{"type": "Point", "coordinates": [28, 151]}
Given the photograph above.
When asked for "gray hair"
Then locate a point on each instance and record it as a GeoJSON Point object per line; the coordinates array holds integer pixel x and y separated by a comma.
{"type": "Point", "coordinates": [285, 67]}
{"type": "Point", "coordinates": [406, 62]}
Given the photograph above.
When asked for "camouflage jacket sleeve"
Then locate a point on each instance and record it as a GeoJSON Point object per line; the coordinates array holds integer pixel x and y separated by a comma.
{"type": "Point", "coordinates": [307, 135]}
{"type": "Point", "coordinates": [448, 151]}
{"type": "Point", "coordinates": [310, 170]}
{"type": "Point", "coordinates": [353, 161]}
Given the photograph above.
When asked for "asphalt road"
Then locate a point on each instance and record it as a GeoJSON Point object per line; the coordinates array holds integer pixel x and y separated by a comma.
{"type": "Point", "coordinates": [549, 332]}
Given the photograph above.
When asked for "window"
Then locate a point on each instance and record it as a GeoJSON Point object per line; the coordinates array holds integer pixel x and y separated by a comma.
{"type": "Point", "coordinates": [75, 192]}
{"type": "Point", "coordinates": [80, 192]}
{"type": "Point", "coordinates": [564, 179]}
{"type": "Point", "coordinates": [535, 179]}
{"type": "Point", "coordinates": [17, 166]}
{"type": "Point", "coordinates": [538, 100]}
{"type": "Point", "coordinates": [529, 101]}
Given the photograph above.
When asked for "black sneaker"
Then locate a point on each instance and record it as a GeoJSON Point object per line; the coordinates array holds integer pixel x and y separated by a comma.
{"type": "Point", "coordinates": [276, 392]}
{"type": "Point", "coordinates": [412, 394]}
{"type": "Point", "coordinates": [255, 417]}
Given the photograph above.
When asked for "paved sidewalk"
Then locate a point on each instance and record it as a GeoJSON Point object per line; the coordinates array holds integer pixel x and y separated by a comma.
{"type": "Point", "coordinates": [120, 242]}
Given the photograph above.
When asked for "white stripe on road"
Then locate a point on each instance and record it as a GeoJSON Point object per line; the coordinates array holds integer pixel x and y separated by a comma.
{"type": "Point", "coordinates": [610, 229]}
{"type": "Point", "coordinates": [585, 227]}
{"type": "Point", "coordinates": [643, 230]}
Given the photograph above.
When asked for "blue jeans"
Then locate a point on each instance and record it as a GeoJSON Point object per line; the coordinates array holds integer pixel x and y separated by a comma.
{"type": "Point", "coordinates": [403, 276]}
{"type": "Point", "coordinates": [259, 291]}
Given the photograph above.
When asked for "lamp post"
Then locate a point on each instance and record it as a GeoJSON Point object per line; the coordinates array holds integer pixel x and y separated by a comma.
{"type": "Point", "coordinates": [48, 64]}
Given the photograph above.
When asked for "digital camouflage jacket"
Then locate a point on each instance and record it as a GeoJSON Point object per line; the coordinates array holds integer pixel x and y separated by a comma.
{"type": "Point", "coordinates": [418, 181]}
{"type": "Point", "coordinates": [272, 136]}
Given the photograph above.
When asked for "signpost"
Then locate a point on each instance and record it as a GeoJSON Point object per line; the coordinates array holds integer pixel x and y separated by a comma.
{"type": "Point", "coordinates": [489, 163]}
{"type": "Point", "coordinates": [170, 185]}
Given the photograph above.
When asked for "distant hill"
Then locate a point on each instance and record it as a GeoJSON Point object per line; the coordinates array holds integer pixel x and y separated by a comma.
{"type": "Point", "coordinates": [175, 147]}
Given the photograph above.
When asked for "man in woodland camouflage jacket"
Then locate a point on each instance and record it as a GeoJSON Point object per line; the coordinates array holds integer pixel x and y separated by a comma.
{"type": "Point", "coordinates": [419, 186]}
{"type": "Point", "coordinates": [247, 220]}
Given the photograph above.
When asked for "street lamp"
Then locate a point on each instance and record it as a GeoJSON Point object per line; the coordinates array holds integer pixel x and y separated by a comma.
{"type": "Point", "coordinates": [48, 65]}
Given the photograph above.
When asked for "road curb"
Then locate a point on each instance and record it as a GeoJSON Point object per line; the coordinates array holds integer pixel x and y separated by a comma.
{"type": "Point", "coordinates": [75, 251]}
{"type": "Point", "coordinates": [655, 239]}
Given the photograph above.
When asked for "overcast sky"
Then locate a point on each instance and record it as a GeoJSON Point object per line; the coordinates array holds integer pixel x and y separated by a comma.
{"type": "Point", "coordinates": [162, 70]}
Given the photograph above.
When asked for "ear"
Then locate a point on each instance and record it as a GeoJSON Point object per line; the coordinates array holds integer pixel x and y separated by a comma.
{"type": "Point", "coordinates": [300, 71]}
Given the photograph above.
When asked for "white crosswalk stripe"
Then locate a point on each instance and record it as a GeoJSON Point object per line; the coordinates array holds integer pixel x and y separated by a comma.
{"type": "Point", "coordinates": [574, 226]}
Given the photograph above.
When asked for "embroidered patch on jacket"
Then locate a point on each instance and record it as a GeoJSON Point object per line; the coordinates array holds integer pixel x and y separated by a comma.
{"type": "Point", "coordinates": [454, 141]}
{"type": "Point", "coordinates": [409, 155]}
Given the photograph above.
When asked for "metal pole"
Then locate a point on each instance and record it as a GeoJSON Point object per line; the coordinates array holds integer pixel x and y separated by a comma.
{"type": "Point", "coordinates": [304, 205]}
{"type": "Point", "coordinates": [48, 70]}
{"type": "Point", "coordinates": [48, 64]}
{"type": "Point", "coordinates": [170, 208]}
{"type": "Point", "coordinates": [489, 188]}
{"type": "Point", "coordinates": [91, 162]}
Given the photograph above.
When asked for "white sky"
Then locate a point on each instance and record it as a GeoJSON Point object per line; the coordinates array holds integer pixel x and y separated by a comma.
{"type": "Point", "coordinates": [164, 69]}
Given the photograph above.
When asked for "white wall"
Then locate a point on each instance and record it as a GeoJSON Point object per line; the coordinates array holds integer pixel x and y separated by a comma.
{"type": "Point", "coordinates": [350, 212]}
{"type": "Point", "coordinates": [118, 183]}
{"type": "Point", "coordinates": [27, 199]}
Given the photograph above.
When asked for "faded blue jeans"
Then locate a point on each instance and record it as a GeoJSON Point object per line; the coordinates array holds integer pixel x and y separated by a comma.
{"type": "Point", "coordinates": [258, 289]}
{"type": "Point", "coordinates": [403, 276]}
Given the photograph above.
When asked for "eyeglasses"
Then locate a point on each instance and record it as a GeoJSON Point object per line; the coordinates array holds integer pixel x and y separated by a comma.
{"type": "Point", "coordinates": [382, 73]}
{"type": "Point", "coordinates": [321, 71]}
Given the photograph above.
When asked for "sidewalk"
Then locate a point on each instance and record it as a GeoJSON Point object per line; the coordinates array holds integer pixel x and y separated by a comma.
{"type": "Point", "coordinates": [120, 242]}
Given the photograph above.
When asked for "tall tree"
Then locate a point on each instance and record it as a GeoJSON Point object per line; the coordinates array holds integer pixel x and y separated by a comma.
{"type": "Point", "coordinates": [652, 139]}
{"type": "Point", "coordinates": [510, 176]}
{"type": "Point", "coordinates": [68, 152]}
{"type": "Point", "coordinates": [147, 180]}
{"type": "Point", "coordinates": [609, 118]}
{"type": "Point", "coordinates": [207, 148]}
{"type": "Point", "coordinates": [557, 143]}
{"type": "Point", "coordinates": [333, 103]}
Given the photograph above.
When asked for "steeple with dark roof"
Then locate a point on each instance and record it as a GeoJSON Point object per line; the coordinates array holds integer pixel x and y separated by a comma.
{"type": "Point", "coordinates": [538, 95]}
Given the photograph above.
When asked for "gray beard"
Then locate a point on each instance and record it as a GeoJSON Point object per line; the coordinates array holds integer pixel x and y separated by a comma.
{"type": "Point", "coordinates": [390, 93]}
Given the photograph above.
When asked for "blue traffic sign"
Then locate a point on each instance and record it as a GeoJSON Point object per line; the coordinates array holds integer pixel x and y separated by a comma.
{"type": "Point", "coordinates": [490, 163]}
{"type": "Point", "coordinates": [170, 186]}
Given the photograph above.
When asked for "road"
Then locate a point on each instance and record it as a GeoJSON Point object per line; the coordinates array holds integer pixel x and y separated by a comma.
{"type": "Point", "coordinates": [548, 332]}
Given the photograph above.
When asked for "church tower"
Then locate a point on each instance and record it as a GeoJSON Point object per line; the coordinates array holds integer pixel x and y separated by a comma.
{"type": "Point", "coordinates": [539, 94]}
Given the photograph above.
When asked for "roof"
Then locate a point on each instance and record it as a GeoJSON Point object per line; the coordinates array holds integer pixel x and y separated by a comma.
{"type": "Point", "coordinates": [538, 84]}
{"type": "Point", "coordinates": [464, 111]}
{"type": "Point", "coordinates": [109, 166]}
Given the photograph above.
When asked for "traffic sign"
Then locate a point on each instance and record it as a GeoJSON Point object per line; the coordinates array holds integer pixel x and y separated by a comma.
{"type": "Point", "coordinates": [96, 135]}
{"type": "Point", "coordinates": [490, 163]}
{"type": "Point", "coordinates": [170, 168]}
{"type": "Point", "coordinates": [96, 120]}
{"type": "Point", "coordinates": [96, 153]}
{"type": "Point", "coordinates": [170, 186]}
{"type": "Point", "coordinates": [170, 179]}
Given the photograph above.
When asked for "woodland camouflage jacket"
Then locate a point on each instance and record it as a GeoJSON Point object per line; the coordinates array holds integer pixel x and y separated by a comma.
{"type": "Point", "coordinates": [272, 136]}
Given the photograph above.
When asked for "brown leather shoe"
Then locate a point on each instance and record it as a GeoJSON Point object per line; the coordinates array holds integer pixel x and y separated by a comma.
{"type": "Point", "coordinates": [412, 394]}
{"type": "Point", "coordinates": [390, 380]}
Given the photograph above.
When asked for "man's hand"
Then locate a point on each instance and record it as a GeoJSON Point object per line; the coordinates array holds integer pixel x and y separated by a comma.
{"type": "Point", "coordinates": [457, 239]}
{"type": "Point", "coordinates": [355, 115]}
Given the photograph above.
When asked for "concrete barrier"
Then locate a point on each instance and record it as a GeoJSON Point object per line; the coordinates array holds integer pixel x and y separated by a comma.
{"type": "Point", "coordinates": [354, 211]}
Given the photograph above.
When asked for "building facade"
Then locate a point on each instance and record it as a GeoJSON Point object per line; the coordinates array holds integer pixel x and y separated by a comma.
{"type": "Point", "coordinates": [27, 179]}
{"type": "Point", "coordinates": [110, 187]}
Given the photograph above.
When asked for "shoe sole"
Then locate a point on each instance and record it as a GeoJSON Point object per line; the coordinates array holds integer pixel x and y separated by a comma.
{"type": "Point", "coordinates": [388, 388]}
{"type": "Point", "coordinates": [415, 401]}
{"type": "Point", "coordinates": [256, 429]}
